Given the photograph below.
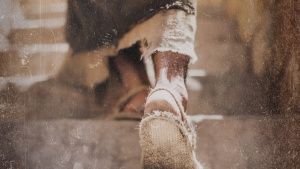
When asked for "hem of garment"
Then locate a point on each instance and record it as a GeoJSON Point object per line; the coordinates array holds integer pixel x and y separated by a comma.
{"type": "Point", "coordinates": [172, 30]}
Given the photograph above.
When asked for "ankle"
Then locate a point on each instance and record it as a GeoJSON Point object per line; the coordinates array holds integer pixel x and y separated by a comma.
{"type": "Point", "coordinates": [179, 88]}
{"type": "Point", "coordinates": [137, 102]}
{"type": "Point", "coordinates": [132, 71]}
{"type": "Point", "coordinates": [170, 93]}
{"type": "Point", "coordinates": [170, 72]}
{"type": "Point", "coordinates": [166, 98]}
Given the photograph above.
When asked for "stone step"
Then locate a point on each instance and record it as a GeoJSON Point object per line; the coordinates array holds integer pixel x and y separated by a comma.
{"type": "Point", "coordinates": [233, 142]}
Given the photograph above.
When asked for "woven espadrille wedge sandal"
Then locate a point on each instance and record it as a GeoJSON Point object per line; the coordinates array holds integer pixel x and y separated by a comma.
{"type": "Point", "coordinates": [167, 141]}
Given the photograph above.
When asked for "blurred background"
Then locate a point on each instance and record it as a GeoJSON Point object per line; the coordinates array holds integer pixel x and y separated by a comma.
{"type": "Point", "coordinates": [244, 91]}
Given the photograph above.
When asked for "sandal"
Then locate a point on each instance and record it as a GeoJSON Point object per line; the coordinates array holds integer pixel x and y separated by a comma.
{"type": "Point", "coordinates": [120, 114]}
{"type": "Point", "coordinates": [168, 141]}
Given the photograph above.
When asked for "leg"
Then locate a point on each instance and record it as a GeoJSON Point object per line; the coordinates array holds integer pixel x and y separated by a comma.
{"type": "Point", "coordinates": [167, 141]}
{"type": "Point", "coordinates": [133, 74]}
{"type": "Point", "coordinates": [170, 72]}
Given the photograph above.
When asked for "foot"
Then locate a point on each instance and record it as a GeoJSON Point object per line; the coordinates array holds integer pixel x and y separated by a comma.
{"type": "Point", "coordinates": [131, 105]}
{"type": "Point", "coordinates": [136, 103]}
{"type": "Point", "coordinates": [133, 74]}
{"type": "Point", "coordinates": [170, 92]}
{"type": "Point", "coordinates": [166, 99]}
{"type": "Point", "coordinates": [166, 140]}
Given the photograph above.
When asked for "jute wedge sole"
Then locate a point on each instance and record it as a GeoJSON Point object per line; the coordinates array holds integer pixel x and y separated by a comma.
{"type": "Point", "coordinates": [166, 143]}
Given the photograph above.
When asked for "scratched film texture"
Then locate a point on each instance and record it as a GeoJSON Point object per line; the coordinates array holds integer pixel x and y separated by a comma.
{"type": "Point", "coordinates": [244, 91]}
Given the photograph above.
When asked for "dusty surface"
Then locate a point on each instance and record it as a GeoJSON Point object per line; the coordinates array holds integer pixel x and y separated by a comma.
{"type": "Point", "coordinates": [57, 124]}
{"type": "Point", "coordinates": [54, 125]}
{"type": "Point", "coordinates": [234, 142]}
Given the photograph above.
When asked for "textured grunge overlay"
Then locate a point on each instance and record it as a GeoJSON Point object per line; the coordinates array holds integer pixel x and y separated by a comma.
{"type": "Point", "coordinates": [284, 68]}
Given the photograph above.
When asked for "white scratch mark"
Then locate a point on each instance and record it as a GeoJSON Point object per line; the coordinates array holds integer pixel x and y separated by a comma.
{"type": "Point", "coordinates": [199, 118]}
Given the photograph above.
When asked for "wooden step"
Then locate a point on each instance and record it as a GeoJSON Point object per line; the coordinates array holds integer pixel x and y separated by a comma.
{"type": "Point", "coordinates": [9, 63]}
{"type": "Point", "coordinates": [37, 35]}
{"type": "Point", "coordinates": [34, 16]}
{"type": "Point", "coordinates": [44, 10]}
{"type": "Point", "coordinates": [16, 63]}
{"type": "Point", "coordinates": [44, 2]}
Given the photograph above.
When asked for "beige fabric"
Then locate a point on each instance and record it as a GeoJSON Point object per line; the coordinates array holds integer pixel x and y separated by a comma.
{"type": "Point", "coordinates": [172, 30]}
